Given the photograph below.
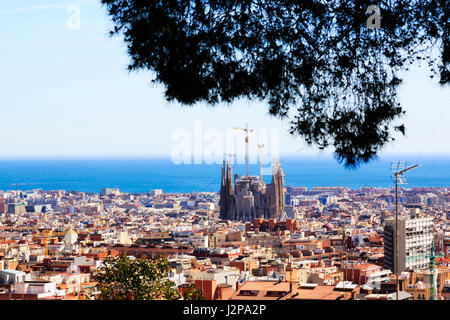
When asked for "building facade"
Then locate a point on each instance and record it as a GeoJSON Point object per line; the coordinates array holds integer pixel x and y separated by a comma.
{"type": "Point", "coordinates": [251, 198]}
{"type": "Point", "coordinates": [415, 238]}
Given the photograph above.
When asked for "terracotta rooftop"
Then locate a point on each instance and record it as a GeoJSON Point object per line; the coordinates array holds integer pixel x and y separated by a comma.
{"type": "Point", "coordinates": [365, 266]}
{"type": "Point", "coordinates": [319, 293]}
{"type": "Point", "coordinates": [272, 290]}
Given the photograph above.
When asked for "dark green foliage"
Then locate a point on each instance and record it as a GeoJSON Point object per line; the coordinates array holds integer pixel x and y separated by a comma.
{"type": "Point", "coordinates": [192, 293]}
{"type": "Point", "coordinates": [317, 57]}
{"type": "Point", "coordinates": [121, 278]}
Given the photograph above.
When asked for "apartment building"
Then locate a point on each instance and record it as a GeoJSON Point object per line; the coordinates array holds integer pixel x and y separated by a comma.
{"type": "Point", "coordinates": [415, 238]}
{"type": "Point", "coordinates": [366, 273]}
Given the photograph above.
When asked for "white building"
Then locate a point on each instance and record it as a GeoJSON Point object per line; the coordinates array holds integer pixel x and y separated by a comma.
{"type": "Point", "coordinates": [221, 276]}
{"type": "Point", "coordinates": [375, 279]}
{"type": "Point", "coordinates": [124, 237]}
{"type": "Point", "coordinates": [9, 276]}
{"type": "Point", "coordinates": [205, 205]}
{"type": "Point", "coordinates": [155, 192]}
{"type": "Point", "coordinates": [419, 238]}
{"type": "Point", "coordinates": [199, 241]}
{"type": "Point", "coordinates": [42, 289]}
{"type": "Point", "coordinates": [415, 238]}
{"type": "Point", "coordinates": [70, 237]}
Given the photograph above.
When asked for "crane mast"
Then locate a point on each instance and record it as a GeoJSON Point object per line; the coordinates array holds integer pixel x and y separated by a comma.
{"type": "Point", "coordinates": [246, 130]}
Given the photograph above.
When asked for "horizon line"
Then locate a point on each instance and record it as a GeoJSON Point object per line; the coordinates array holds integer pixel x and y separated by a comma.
{"type": "Point", "coordinates": [168, 156]}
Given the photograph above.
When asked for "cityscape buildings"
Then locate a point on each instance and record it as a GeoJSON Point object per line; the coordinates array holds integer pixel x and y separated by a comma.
{"type": "Point", "coordinates": [327, 243]}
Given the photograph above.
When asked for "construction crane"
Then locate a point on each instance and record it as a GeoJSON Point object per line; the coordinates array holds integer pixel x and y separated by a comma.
{"type": "Point", "coordinates": [46, 234]}
{"type": "Point", "coordinates": [432, 265]}
{"type": "Point", "coordinates": [49, 233]}
{"type": "Point", "coordinates": [246, 130]}
{"type": "Point", "coordinates": [398, 171]}
{"type": "Point", "coordinates": [432, 256]}
{"type": "Point", "coordinates": [60, 233]}
{"type": "Point", "coordinates": [260, 146]}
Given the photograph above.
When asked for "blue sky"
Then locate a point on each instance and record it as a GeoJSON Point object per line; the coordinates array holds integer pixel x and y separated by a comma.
{"type": "Point", "coordinates": [67, 93]}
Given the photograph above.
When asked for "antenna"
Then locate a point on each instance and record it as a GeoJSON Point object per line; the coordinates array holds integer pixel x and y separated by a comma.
{"type": "Point", "coordinates": [344, 259]}
{"type": "Point", "coordinates": [289, 242]}
{"type": "Point", "coordinates": [397, 170]}
{"type": "Point", "coordinates": [246, 130]}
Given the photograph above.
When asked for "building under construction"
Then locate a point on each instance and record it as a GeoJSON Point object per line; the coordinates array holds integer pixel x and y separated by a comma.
{"type": "Point", "coordinates": [251, 198]}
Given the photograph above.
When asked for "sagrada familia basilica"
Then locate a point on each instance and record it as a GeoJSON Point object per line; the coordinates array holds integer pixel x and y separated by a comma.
{"type": "Point", "coordinates": [251, 198]}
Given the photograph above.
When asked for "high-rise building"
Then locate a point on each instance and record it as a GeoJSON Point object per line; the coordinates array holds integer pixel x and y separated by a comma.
{"type": "Point", "coordinates": [156, 192]}
{"type": "Point", "coordinates": [16, 208]}
{"type": "Point", "coordinates": [109, 191]}
{"type": "Point", "coordinates": [251, 198]}
{"type": "Point", "coordinates": [415, 237]}
{"type": "Point", "coordinates": [3, 205]}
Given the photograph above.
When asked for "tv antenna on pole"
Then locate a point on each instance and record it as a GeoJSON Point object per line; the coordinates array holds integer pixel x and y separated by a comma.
{"type": "Point", "coordinates": [397, 170]}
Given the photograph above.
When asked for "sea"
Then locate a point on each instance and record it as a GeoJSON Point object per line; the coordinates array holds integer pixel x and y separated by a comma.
{"type": "Point", "coordinates": [140, 175]}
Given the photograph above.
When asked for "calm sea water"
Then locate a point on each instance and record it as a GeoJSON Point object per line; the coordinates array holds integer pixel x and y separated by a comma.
{"type": "Point", "coordinates": [142, 175]}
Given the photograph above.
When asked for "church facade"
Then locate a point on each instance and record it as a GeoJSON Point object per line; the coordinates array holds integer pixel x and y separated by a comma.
{"type": "Point", "coordinates": [251, 198]}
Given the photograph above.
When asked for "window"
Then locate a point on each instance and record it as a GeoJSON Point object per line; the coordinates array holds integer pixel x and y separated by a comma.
{"type": "Point", "coordinates": [248, 292]}
{"type": "Point", "coordinates": [276, 293]}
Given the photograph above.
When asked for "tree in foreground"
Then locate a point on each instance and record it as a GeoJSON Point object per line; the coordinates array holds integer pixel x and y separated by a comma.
{"type": "Point", "coordinates": [122, 278]}
{"type": "Point", "coordinates": [321, 58]}
{"type": "Point", "coordinates": [192, 293]}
